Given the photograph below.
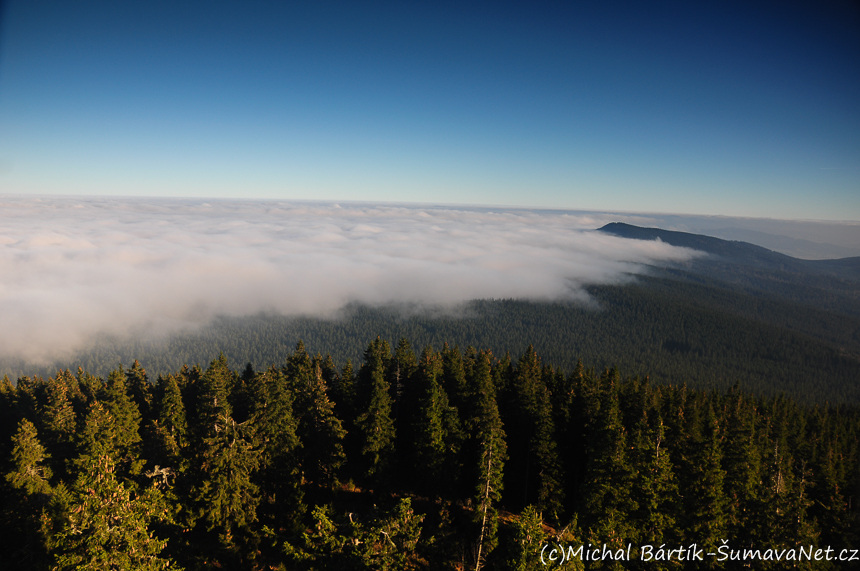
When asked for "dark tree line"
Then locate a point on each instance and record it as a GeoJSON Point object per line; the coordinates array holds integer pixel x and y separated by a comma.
{"type": "Point", "coordinates": [674, 331]}
{"type": "Point", "coordinates": [442, 459]}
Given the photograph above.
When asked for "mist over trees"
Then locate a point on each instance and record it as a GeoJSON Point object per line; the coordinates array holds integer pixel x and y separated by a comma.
{"type": "Point", "coordinates": [438, 458]}
{"type": "Point", "coordinates": [673, 331]}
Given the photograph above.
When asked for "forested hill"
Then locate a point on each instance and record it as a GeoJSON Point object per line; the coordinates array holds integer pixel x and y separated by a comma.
{"type": "Point", "coordinates": [833, 285]}
{"type": "Point", "coordinates": [673, 331]}
{"type": "Point", "coordinates": [710, 323]}
{"type": "Point", "coordinates": [742, 253]}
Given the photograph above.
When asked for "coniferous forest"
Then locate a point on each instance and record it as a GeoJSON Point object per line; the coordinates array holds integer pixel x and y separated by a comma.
{"type": "Point", "coordinates": [430, 286]}
{"type": "Point", "coordinates": [415, 459]}
{"type": "Point", "coordinates": [740, 314]}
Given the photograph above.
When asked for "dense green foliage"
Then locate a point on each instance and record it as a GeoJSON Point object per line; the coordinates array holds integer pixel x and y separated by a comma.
{"type": "Point", "coordinates": [451, 459]}
{"type": "Point", "coordinates": [741, 313]}
{"type": "Point", "coordinates": [833, 285]}
{"type": "Point", "coordinates": [675, 331]}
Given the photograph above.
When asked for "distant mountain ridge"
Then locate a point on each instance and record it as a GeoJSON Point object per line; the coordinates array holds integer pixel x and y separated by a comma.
{"type": "Point", "coordinates": [832, 285]}
{"type": "Point", "coordinates": [739, 252]}
{"type": "Point", "coordinates": [796, 247]}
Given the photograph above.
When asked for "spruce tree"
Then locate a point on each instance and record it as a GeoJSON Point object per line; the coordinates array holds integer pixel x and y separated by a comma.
{"type": "Point", "coordinates": [212, 398]}
{"type": "Point", "coordinates": [318, 428]}
{"type": "Point", "coordinates": [828, 494]}
{"type": "Point", "coordinates": [609, 497]}
{"type": "Point", "coordinates": [126, 416]}
{"type": "Point", "coordinates": [453, 377]}
{"type": "Point", "coordinates": [488, 455]}
{"type": "Point", "coordinates": [99, 437]}
{"type": "Point", "coordinates": [705, 513]}
{"type": "Point", "coordinates": [742, 463]}
{"type": "Point", "coordinates": [30, 400]}
{"type": "Point", "coordinates": [108, 526]}
{"type": "Point", "coordinates": [23, 497]}
{"type": "Point", "coordinates": [58, 415]}
{"type": "Point", "coordinates": [166, 435]}
{"type": "Point", "coordinates": [655, 486]}
{"type": "Point", "coordinates": [534, 474]}
{"type": "Point", "coordinates": [170, 410]}
{"type": "Point", "coordinates": [241, 399]}
{"type": "Point", "coordinates": [374, 425]}
{"type": "Point", "coordinates": [428, 430]}
{"type": "Point", "coordinates": [278, 477]}
{"type": "Point", "coordinates": [773, 520]}
{"type": "Point", "coordinates": [226, 498]}
{"type": "Point", "coordinates": [28, 454]}
{"type": "Point", "coordinates": [89, 385]}
{"type": "Point", "coordinates": [527, 542]}
{"type": "Point", "coordinates": [401, 370]}
{"type": "Point", "coordinates": [139, 388]}
{"type": "Point", "coordinates": [9, 415]}
{"type": "Point", "coordinates": [343, 395]}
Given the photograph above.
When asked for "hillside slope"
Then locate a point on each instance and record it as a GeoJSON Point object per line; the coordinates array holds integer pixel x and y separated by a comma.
{"type": "Point", "coordinates": [742, 314]}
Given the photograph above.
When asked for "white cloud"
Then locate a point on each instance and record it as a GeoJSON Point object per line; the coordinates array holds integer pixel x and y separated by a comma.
{"type": "Point", "coordinates": [71, 268]}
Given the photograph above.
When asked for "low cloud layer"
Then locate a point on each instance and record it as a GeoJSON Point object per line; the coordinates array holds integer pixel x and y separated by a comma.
{"type": "Point", "coordinates": [72, 268]}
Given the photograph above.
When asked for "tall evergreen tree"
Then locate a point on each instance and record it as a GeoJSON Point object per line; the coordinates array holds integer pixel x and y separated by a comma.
{"type": "Point", "coordinates": [343, 395]}
{"type": "Point", "coordinates": [318, 428]}
{"type": "Point", "coordinates": [742, 463]}
{"type": "Point", "coordinates": [99, 437]}
{"type": "Point", "coordinates": [401, 369]}
{"type": "Point", "coordinates": [29, 474]}
{"type": "Point", "coordinates": [705, 506]}
{"type": "Point", "coordinates": [126, 416]}
{"type": "Point", "coordinates": [279, 477]}
{"type": "Point", "coordinates": [570, 420]}
{"type": "Point", "coordinates": [610, 477]}
{"type": "Point", "coordinates": [527, 540]}
{"type": "Point", "coordinates": [453, 378]}
{"type": "Point", "coordinates": [139, 388]}
{"type": "Point", "coordinates": [30, 401]}
{"type": "Point", "coordinates": [655, 487]}
{"type": "Point", "coordinates": [9, 413]}
{"type": "Point", "coordinates": [828, 494]}
{"type": "Point", "coordinates": [26, 492]}
{"type": "Point", "coordinates": [213, 392]}
{"type": "Point", "coordinates": [58, 415]}
{"type": "Point", "coordinates": [488, 455]}
{"type": "Point", "coordinates": [241, 399]}
{"type": "Point", "coordinates": [374, 424]}
{"type": "Point", "coordinates": [170, 410]}
{"type": "Point", "coordinates": [88, 385]}
{"type": "Point", "coordinates": [108, 526]}
{"type": "Point", "coordinates": [58, 421]}
{"type": "Point", "coordinates": [534, 474]}
{"type": "Point", "coordinates": [226, 497]}
{"type": "Point", "coordinates": [165, 442]}
{"type": "Point", "coordinates": [429, 430]}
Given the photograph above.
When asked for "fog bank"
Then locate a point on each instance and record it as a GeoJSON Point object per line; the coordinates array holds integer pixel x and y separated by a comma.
{"type": "Point", "coordinates": [71, 268]}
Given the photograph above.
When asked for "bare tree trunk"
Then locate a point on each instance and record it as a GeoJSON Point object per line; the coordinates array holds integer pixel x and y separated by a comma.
{"type": "Point", "coordinates": [485, 505]}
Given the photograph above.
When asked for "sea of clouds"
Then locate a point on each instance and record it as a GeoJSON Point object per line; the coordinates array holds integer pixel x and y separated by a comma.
{"type": "Point", "coordinates": [74, 268]}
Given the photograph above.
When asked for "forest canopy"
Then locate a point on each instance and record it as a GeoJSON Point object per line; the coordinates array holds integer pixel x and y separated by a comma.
{"type": "Point", "coordinates": [405, 459]}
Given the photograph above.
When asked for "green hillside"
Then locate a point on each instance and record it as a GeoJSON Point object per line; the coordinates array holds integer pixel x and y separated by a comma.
{"type": "Point", "coordinates": [676, 332]}
{"type": "Point", "coordinates": [739, 315]}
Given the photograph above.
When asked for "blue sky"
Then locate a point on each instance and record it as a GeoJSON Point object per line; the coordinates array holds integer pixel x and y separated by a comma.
{"type": "Point", "coordinates": [714, 108]}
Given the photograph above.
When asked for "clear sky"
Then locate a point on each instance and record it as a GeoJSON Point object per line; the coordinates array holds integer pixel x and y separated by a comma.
{"type": "Point", "coordinates": [703, 107]}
